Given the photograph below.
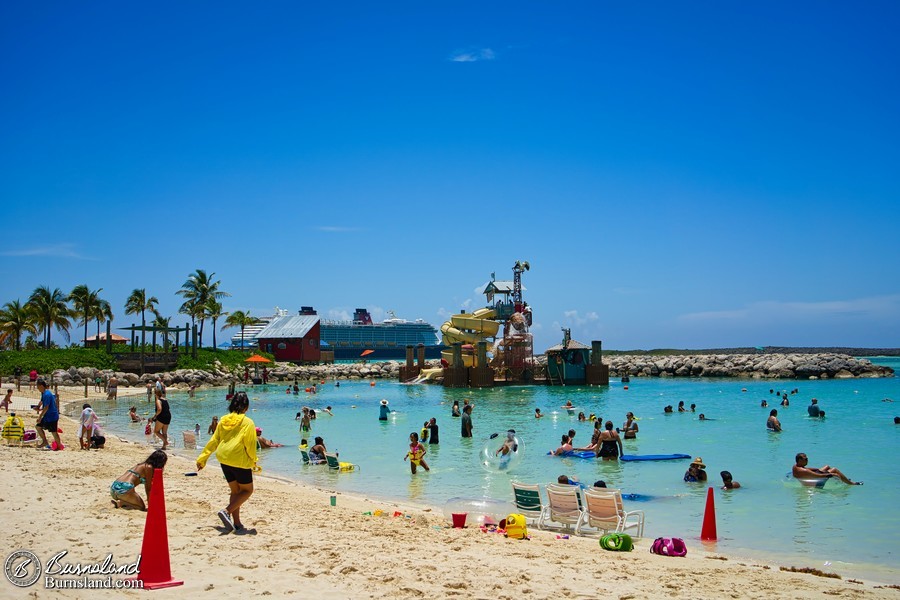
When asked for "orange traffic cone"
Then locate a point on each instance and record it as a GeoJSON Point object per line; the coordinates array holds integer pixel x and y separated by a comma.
{"type": "Point", "coordinates": [155, 570]}
{"type": "Point", "coordinates": [708, 533]}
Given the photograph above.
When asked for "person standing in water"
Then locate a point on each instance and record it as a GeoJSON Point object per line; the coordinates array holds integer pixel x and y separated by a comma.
{"type": "Point", "coordinates": [630, 428]}
{"type": "Point", "coordinates": [416, 454]}
{"type": "Point", "coordinates": [383, 411]}
{"type": "Point", "coordinates": [467, 422]}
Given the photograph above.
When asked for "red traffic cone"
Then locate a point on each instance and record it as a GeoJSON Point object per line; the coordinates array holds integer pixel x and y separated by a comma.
{"type": "Point", "coordinates": [155, 570]}
{"type": "Point", "coordinates": [708, 533]}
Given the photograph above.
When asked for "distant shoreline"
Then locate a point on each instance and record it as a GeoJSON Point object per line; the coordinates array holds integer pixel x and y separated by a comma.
{"type": "Point", "coordinates": [765, 350]}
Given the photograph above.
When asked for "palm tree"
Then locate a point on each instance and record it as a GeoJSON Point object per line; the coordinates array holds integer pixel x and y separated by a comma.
{"type": "Point", "coordinates": [162, 323]}
{"type": "Point", "coordinates": [214, 312]}
{"type": "Point", "coordinates": [86, 304]}
{"type": "Point", "coordinates": [197, 291]}
{"type": "Point", "coordinates": [15, 319]}
{"type": "Point", "coordinates": [138, 302]}
{"type": "Point", "coordinates": [102, 313]}
{"type": "Point", "coordinates": [240, 319]}
{"type": "Point", "coordinates": [50, 310]}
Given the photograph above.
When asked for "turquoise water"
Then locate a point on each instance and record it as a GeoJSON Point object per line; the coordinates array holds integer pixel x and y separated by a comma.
{"type": "Point", "coordinates": [852, 527]}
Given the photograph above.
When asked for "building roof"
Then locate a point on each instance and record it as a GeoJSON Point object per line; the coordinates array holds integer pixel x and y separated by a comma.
{"type": "Point", "coordinates": [499, 287]}
{"type": "Point", "coordinates": [102, 337]}
{"type": "Point", "coordinates": [288, 327]}
{"type": "Point", "coordinates": [573, 345]}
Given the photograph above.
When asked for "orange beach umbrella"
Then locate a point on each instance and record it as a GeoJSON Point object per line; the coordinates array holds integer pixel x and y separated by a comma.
{"type": "Point", "coordinates": [256, 358]}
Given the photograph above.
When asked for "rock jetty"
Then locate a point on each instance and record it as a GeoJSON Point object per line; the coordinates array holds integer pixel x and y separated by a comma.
{"type": "Point", "coordinates": [746, 366]}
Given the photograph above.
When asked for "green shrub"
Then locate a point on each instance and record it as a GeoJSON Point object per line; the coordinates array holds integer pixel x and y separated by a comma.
{"type": "Point", "coordinates": [47, 361]}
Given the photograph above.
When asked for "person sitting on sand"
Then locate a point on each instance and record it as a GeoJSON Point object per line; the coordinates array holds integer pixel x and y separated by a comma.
{"type": "Point", "coordinates": [773, 423]}
{"type": "Point", "coordinates": [564, 446]}
{"type": "Point", "coordinates": [416, 454]}
{"type": "Point", "coordinates": [122, 489]}
{"type": "Point", "coordinates": [630, 428]}
{"type": "Point", "coordinates": [800, 470]}
{"type": "Point", "coordinates": [7, 400]}
{"type": "Point", "coordinates": [263, 442]}
{"type": "Point", "coordinates": [695, 472]}
{"type": "Point", "coordinates": [728, 482]}
{"type": "Point", "coordinates": [212, 426]}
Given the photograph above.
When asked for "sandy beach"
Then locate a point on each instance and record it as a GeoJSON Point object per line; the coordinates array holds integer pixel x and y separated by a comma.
{"type": "Point", "coordinates": [303, 547]}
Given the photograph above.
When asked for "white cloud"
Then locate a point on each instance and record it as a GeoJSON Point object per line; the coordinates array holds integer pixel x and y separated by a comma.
{"type": "Point", "coordinates": [54, 250]}
{"type": "Point", "coordinates": [473, 55]}
{"type": "Point", "coordinates": [871, 307]}
{"type": "Point", "coordinates": [573, 317]}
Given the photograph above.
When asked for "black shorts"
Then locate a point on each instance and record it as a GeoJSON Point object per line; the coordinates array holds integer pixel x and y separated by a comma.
{"type": "Point", "coordinates": [48, 425]}
{"type": "Point", "coordinates": [242, 476]}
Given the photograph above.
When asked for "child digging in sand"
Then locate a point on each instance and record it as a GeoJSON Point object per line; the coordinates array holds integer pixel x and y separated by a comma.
{"type": "Point", "coordinates": [416, 454]}
{"type": "Point", "coordinates": [122, 489]}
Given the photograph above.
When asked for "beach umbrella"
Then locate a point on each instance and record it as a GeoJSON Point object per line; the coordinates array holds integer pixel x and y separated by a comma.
{"type": "Point", "coordinates": [256, 359]}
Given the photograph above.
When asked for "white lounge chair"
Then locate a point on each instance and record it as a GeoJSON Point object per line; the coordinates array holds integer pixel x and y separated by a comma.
{"type": "Point", "coordinates": [565, 505]}
{"type": "Point", "coordinates": [527, 499]}
{"type": "Point", "coordinates": [605, 511]}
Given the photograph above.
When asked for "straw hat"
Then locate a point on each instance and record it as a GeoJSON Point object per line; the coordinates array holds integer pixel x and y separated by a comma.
{"type": "Point", "coordinates": [384, 402]}
{"type": "Point", "coordinates": [699, 462]}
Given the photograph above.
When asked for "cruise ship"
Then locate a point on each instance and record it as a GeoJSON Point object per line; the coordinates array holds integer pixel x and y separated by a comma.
{"type": "Point", "coordinates": [350, 339]}
{"type": "Point", "coordinates": [385, 340]}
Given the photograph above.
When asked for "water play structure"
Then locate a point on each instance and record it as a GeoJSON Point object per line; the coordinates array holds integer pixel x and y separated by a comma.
{"type": "Point", "coordinates": [493, 346]}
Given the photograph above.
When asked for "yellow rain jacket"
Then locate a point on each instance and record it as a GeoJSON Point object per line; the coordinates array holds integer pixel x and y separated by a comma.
{"type": "Point", "coordinates": [234, 442]}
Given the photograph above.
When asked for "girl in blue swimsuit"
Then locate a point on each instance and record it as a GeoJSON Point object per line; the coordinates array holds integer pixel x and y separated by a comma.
{"type": "Point", "coordinates": [122, 489]}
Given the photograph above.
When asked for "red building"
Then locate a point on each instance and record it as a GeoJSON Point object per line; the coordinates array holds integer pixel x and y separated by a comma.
{"type": "Point", "coordinates": [294, 339]}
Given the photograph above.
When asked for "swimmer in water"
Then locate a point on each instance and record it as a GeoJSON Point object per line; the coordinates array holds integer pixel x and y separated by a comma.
{"type": "Point", "coordinates": [728, 482]}
{"type": "Point", "coordinates": [800, 470]}
{"type": "Point", "coordinates": [537, 413]}
{"type": "Point", "coordinates": [773, 423]}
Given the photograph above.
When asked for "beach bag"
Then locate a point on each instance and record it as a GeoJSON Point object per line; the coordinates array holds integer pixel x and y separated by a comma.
{"type": "Point", "coordinates": [147, 429]}
{"type": "Point", "coordinates": [515, 527]}
{"type": "Point", "coordinates": [668, 547]}
{"type": "Point", "coordinates": [30, 435]}
{"type": "Point", "coordinates": [617, 542]}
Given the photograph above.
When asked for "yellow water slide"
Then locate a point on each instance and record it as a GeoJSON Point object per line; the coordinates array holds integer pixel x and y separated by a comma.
{"type": "Point", "coordinates": [469, 328]}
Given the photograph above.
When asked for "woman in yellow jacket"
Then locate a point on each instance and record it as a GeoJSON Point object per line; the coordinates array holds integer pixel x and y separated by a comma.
{"type": "Point", "coordinates": [234, 443]}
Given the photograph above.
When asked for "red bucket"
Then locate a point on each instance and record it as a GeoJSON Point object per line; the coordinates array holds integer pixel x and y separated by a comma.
{"type": "Point", "coordinates": [459, 520]}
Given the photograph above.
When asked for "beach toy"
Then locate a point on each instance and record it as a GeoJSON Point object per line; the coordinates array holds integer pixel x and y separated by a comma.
{"type": "Point", "coordinates": [53, 446]}
{"type": "Point", "coordinates": [577, 454]}
{"type": "Point", "coordinates": [397, 513]}
{"type": "Point", "coordinates": [626, 387]}
{"type": "Point", "coordinates": [191, 474]}
{"type": "Point", "coordinates": [459, 520]}
{"type": "Point", "coordinates": [378, 513]}
{"type": "Point", "coordinates": [494, 460]}
{"type": "Point", "coordinates": [515, 527]}
{"type": "Point", "coordinates": [480, 510]}
{"type": "Point", "coordinates": [368, 513]}
{"type": "Point", "coordinates": [333, 500]}
{"type": "Point", "coordinates": [618, 542]}
{"type": "Point", "coordinates": [562, 537]}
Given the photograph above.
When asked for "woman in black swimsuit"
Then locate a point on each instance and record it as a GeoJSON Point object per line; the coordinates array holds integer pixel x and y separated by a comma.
{"type": "Point", "coordinates": [161, 420]}
{"type": "Point", "coordinates": [610, 444]}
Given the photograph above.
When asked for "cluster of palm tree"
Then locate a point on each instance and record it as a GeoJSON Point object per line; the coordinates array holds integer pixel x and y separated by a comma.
{"type": "Point", "coordinates": [48, 309]}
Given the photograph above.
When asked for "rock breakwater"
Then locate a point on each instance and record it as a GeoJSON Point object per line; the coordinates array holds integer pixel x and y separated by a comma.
{"type": "Point", "coordinates": [747, 366]}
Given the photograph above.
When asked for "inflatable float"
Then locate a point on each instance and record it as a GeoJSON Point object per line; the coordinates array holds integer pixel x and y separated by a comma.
{"type": "Point", "coordinates": [479, 510]}
{"type": "Point", "coordinates": [577, 454]}
{"type": "Point", "coordinates": [640, 457]}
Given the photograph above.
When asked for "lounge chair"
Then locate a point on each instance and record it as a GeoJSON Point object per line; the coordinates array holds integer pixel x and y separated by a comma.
{"type": "Point", "coordinates": [336, 465]}
{"type": "Point", "coordinates": [527, 499]}
{"type": "Point", "coordinates": [190, 439]}
{"type": "Point", "coordinates": [565, 505]}
{"type": "Point", "coordinates": [304, 454]}
{"type": "Point", "coordinates": [605, 510]}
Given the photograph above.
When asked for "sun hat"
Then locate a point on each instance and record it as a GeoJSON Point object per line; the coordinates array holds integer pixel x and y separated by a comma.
{"type": "Point", "coordinates": [699, 462]}
{"type": "Point", "coordinates": [384, 402]}
{"type": "Point", "coordinates": [258, 430]}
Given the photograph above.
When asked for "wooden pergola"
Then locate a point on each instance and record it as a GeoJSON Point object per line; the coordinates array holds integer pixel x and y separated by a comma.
{"type": "Point", "coordinates": [166, 359]}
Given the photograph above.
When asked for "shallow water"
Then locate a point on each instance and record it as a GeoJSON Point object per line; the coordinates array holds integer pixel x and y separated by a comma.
{"type": "Point", "coordinates": [852, 527]}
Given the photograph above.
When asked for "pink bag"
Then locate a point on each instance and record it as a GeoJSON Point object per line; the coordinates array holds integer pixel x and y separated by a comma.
{"type": "Point", "coordinates": [668, 547]}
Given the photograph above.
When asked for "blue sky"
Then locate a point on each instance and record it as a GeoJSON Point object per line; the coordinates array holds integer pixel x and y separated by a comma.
{"type": "Point", "coordinates": [678, 174]}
